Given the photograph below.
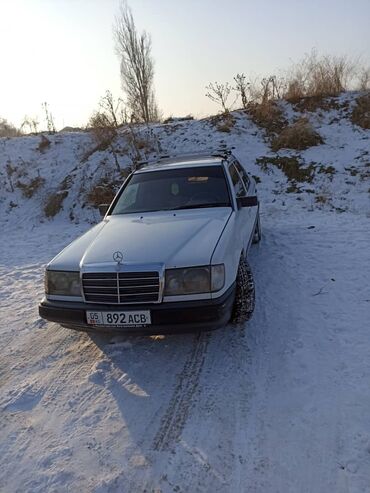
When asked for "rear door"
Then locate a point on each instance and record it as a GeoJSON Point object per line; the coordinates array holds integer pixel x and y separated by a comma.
{"type": "Point", "coordinates": [244, 218]}
{"type": "Point", "coordinates": [250, 186]}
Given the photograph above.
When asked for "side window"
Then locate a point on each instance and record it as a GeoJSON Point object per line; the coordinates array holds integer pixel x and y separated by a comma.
{"type": "Point", "coordinates": [237, 182]}
{"type": "Point", "coordinates": [243, 175]}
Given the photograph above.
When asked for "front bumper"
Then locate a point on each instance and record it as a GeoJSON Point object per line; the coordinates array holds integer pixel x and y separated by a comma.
{"type": "Point", "coordinates": [170, 317]}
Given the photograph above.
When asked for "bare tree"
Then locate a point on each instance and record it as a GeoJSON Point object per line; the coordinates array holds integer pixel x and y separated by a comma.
{"type": "Point", "coordinates": [137, 68]}
{"type": "Point", "coordinates": [49, 118]}
{"type": "Point", "coordinates": [219, 93]}
{"type": "Point", "coordinates": [113, 110]}
{"type": "Point", "coordinates": [242, 87]}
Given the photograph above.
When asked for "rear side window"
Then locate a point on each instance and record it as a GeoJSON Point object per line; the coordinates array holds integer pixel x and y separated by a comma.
{"type": "Point", "coordinates": [243, 175]}
{"type": "Point", "coordinates": [237, 182]}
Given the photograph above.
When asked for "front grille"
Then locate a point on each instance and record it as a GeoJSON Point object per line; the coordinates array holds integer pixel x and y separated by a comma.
{"type": "Point", "coordinates": [121, 287]}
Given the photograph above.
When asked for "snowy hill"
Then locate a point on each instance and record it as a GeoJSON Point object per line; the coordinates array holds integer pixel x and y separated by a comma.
{"type": "Point", "coordinates": [69, 163]}
{"type": "Point", "coordinates": [279, 407]}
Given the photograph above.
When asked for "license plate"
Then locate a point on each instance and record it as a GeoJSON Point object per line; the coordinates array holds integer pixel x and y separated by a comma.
{"type": "Point", "coordinates": [119, 319]}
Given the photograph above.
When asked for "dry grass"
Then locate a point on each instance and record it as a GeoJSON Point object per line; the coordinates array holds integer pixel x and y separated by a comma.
{"type": "Point", "coordinates": [223, 122]}
{"type": "Point", "coordinates": [313, 103]}
{"type": "Point", "coordinates": [8, 129]}
{"type": "Point", "coordinates": [327, 170]}
{"type": "Point", "coordinates": [102, 192]}
{"type": "Point", "coordinates": [267, 115]}
{"type": "Point", "coordinates": [54, 203]}
{"type": "Point", "coordinates": [29, 189]}
{"type": "Point", "coordinates": [361, 112]}
{"type": "Point", "coordinates": [322, 198]}
{"type": "Point", "coordinates": [290, 166]}
{"type": "Point", "coordinates": [319, 76]}
{"type": "Point", "coordinates": [140, 142]}
{"type": "Point", "coordinates": [103, 131]}
{"type": "Point", "coordinates": [43, 144]}
{"type": "Point", "coordinates": [300, 135]}
{"type": "Point", "coordinates": [103, 127]}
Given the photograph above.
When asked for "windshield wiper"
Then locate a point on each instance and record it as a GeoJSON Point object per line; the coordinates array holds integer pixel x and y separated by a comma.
{"type": "Point", "coordinates": [180, 207]}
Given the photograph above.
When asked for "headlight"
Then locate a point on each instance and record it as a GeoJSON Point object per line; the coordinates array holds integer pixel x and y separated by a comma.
{"type": "Point", "coordinates": [194, 280]}
{"type": "Point", "coordinates": [62, 283]}
{"type": "Point", "coordinates": [217, 277]}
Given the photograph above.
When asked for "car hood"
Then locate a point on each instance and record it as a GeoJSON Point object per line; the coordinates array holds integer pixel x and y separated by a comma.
{"type": "Point", "coordinates": [175, 239]}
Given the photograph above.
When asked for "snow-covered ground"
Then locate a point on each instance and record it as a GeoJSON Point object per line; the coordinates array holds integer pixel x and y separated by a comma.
{"type": "Point", "coordinates": [282, 406]}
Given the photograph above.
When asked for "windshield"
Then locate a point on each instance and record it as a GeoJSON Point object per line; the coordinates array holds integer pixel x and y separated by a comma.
{"type": "Point", "coordinates": [184, 188]}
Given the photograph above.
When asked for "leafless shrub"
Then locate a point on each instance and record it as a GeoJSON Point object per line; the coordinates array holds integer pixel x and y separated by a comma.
{"type": "Point", "coordinates": [102, 192]}
{"type": "Point", "coordinates": [102, 129]}
{"type": "Point", "coordinates": [137, 68]}
{"type": "Point", "coordinates": [271, 87]}
{"type": "Point", "coordinates": [300, 135]}
{"type": "Point", "coordinates": [113, 110]}
{"type": "Point", "coordinates": [54, 203]}
{"type": "Point", "coordinates": [29, 125]}
{"type": "Point", "coordinates": [361, 112]}
{"type": "Point", "coordinates": [364, 79]}
{"type": "Point", "coordinates": [219, 94]}
{"type": "Point", "coordinates": [7, 129]}
{"type": "Point", "coordinates": [258, 91]}
{"type": "Point", "coordinates": [242, 88]}
{"type": "Point", "coordinates": [103, 125]}
{"type": "Point", "coordinates": [104, 135]}
{"type": "Point", "coordinates": [31, 187]}
{"type": "Point", "coordinates": [49, 119]}
{"type": "Point", "coordinates": [319, 75]}
{"type": "Point", "coordinates": [142, 142]}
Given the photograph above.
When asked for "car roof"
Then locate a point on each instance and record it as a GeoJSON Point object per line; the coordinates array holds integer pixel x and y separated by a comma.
{"type": "Point", "coordinates": [182, 162]}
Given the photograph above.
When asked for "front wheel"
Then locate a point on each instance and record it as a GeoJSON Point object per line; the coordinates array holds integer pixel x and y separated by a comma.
{"type": "Point", "coordinates": [245, 297]}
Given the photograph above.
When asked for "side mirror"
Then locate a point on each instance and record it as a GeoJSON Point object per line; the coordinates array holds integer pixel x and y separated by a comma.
{"type": "Point", "coordinates": [247, 201]}
{"type": "Point", "coordinates": [103, 209]}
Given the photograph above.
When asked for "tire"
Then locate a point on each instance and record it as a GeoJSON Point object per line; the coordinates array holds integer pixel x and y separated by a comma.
{"type": "Point", "coordinates": [245, 297]}
{"type": "Point", "coordinates": [257, 230]}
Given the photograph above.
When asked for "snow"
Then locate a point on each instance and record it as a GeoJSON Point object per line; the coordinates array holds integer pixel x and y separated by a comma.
{"type": "Point", "coordinates": [282, 406]}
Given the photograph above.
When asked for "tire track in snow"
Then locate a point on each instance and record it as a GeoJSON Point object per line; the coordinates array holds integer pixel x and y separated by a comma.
{"type": "Point", "coordinates": [177, 412]}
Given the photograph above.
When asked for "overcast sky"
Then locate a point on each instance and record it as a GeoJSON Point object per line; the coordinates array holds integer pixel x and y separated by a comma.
{"type": "Point", "coordinates": [62, 51]}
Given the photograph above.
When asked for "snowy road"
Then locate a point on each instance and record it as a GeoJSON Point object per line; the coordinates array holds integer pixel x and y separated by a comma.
{"type": "Point", "coordinates": [281, 407]}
